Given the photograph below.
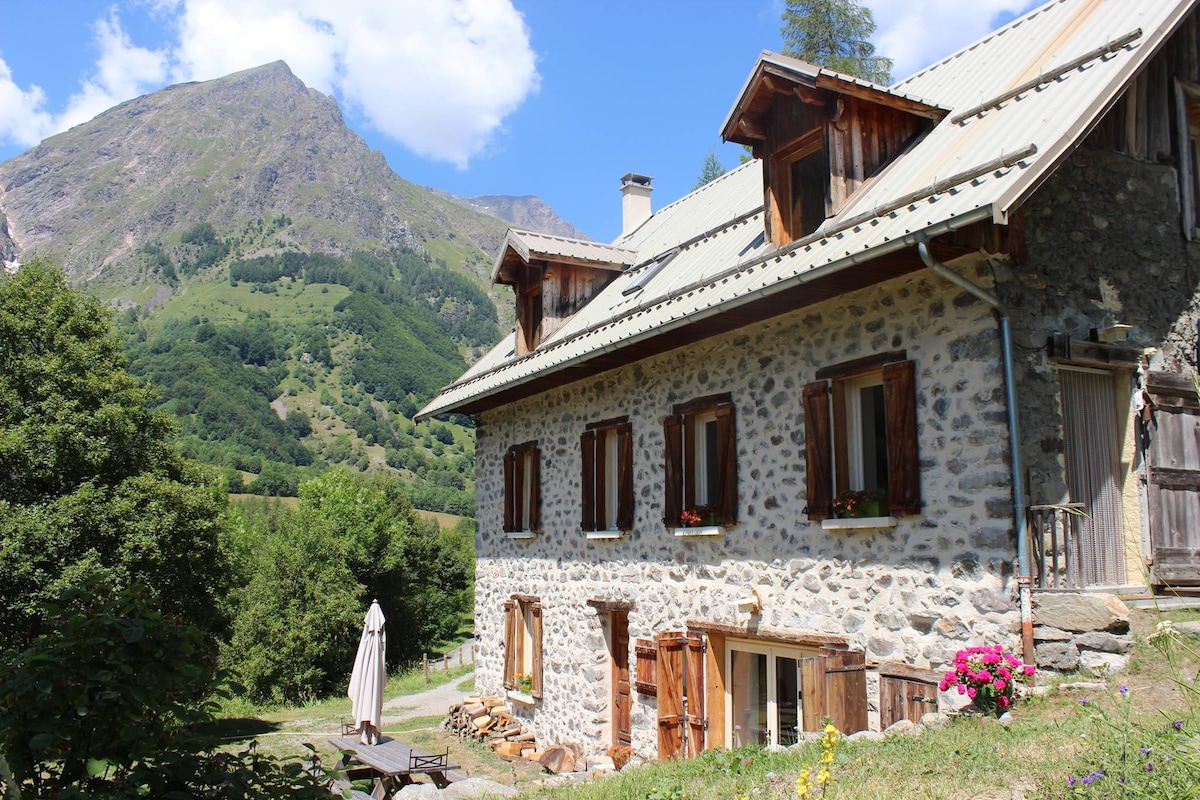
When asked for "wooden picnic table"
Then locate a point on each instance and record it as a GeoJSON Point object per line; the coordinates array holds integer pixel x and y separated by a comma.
{"type": "Point", "coordinates": [392, 763]}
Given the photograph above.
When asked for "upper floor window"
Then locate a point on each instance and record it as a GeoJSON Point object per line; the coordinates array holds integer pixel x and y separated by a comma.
{"type": "Point", "coordinates": [522, 492]}
{"type": "Point", "coordinates": [802, 194]}
{"type": "Point", "coordinates": [701, 461]}
{"type": "Point", "coordinates": [860, 430]}
{"type": "Point", "coordinates": [606, 454]}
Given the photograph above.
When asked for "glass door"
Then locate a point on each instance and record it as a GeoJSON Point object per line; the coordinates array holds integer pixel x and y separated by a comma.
{"type": "Point", "coordinates": [763, 694]}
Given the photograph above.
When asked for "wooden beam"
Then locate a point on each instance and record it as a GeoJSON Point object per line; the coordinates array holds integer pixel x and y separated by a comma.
{"type": "Point", "coordinates": [809, 96]}
{"type": "Point", "coordinates": [880, 98]}
{"type": "Point", "coordinates": [751, 128]}
{"type": "Point", "coordinates": [800, 638]}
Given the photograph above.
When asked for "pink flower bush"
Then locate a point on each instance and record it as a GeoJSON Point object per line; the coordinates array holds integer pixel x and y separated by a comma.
{"type": "Point", "coordinates": [988, 676]}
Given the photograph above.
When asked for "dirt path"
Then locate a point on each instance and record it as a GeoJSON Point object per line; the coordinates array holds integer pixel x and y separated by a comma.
{"type": "Point", "coordinates": [434, 701]}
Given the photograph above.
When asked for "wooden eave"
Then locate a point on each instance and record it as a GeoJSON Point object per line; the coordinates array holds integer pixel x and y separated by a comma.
{"type": "Point", "coordinates": [745, 124]}
{"type": "Point", "coordinates": [884, 268]}
{"type": "Point", "coordinates": [513, 261]}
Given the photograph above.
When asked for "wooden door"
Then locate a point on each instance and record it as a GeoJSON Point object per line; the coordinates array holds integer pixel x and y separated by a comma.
{"type": "Point", "coordinates": [1173, 489]}
{"type": "Point", "coordinates": [621, 692]}
{"type": "Point", "coordinates": [834, 684]}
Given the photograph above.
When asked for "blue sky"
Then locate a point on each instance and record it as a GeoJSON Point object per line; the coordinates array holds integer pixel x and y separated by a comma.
{"type": "Point", "coordinates": [545, 97]}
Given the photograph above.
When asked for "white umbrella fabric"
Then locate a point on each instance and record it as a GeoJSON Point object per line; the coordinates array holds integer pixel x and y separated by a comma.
{"type": "Point", "coordinates": [369, 676]}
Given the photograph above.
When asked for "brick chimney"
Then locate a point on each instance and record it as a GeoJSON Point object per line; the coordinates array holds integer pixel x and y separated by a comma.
{"type": "Point", "coordinates": [635, 201]}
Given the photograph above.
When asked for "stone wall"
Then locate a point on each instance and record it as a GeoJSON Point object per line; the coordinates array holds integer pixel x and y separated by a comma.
{"type": "Point", "coordinates": [1105, 245]}
{"type": "Point", "coordinates": [915, 593]}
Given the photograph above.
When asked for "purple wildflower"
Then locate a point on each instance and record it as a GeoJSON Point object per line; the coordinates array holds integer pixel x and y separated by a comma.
{"type": "Point", "coordinates": [1124, 690]}
{"type": "Point", "coordinates": [1149, 766]}
{"type": "Point", "coordinates": [1145, 750]}
{"type": "Point", "coordinates": [1071, 781]}
{"type": "Point", "coordinates": [1083, 701]}
{"type": "Point", "coordinates": [1178, 724]}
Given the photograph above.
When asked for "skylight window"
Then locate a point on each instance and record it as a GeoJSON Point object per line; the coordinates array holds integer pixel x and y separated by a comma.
{"type": "Point", "coordinates": [649, 272]}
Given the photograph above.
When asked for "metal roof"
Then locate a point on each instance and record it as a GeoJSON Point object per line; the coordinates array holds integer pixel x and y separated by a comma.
{"type": "Point", "coordinates": [961, 172]}
{"type": "Point", "coordinates": [532, 245]}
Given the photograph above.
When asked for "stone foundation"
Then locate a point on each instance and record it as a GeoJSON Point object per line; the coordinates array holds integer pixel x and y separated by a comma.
{"type": "Point", "coordinates": [1075, 630]}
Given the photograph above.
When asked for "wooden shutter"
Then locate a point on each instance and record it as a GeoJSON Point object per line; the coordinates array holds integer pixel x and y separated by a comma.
{"type": "Point", "coordinates": [900, 412]}
{"type": "Point", "coordinates": [697, 720]}
{"type": "Point", "coordinates": [587, 501]}
{"type": "Point", "coordinates": [535, 491]}
{"type": "Point", "coordinates": [512, 612]}
{"type": "Point", "coordinates": [535, 634]}
{"type": "Point", "coordinates": [510, 490]}
{"type": "Point", "coordinates": [673, 468]}
{"type": "Point", "coordinates": [625, 476]}
{"type": "Point", "coordinates": [817, 451]}
{"type": "Point", "coordinates": [727, 465]}
{"type": "Point", "coordinates": [834, 684]}
{"type": "Point", "coordinates": [670, 694]}
{"type": "Point", "coordinates": [646, 657]}
{"type": "Point", "coordinates": [622, 696]}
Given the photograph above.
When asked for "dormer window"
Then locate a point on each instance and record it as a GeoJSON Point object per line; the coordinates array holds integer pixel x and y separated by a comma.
{"type": "Point", "coordinates": [553, 277]}
{"type": "Point", "coordinates": [803, 191]}
{"type": "Point", "coordinates": [821, 135]}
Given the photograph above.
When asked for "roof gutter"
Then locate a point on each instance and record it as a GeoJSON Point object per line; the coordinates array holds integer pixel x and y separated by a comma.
{"type": "Point", "coordinates": [1024, 576]}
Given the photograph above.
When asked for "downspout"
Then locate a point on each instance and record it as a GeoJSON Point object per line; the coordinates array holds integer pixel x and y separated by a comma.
{"type": "Point", "coordinates": [1024, 576]}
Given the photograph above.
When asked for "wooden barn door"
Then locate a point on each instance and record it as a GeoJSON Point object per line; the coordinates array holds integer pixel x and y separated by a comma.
{"type": "Point", "coordinates": [1173, 490]}
{"type": "Point", "coordinates": [834, 684]}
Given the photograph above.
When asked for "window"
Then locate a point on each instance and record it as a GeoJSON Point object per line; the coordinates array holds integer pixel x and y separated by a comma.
{"type": "Point", "coordinates": [701, 461]}
{"type": "Point", "coordinates": [764, 694]}
{"type": "Point", "coordinates": [860, 430]}
{"type": "Point", "coordinates": [801, 186]}
{"type": "Point", "coordinates": [1187, 102]}
{"type": "Point", "coordinates": [606, 453]}
{"type": "Point", "coordinates": [523, 645]}
{"type": "Point", "coordinates": [529, 320]}
{"type": "Point", "coordinates": [522, 495]}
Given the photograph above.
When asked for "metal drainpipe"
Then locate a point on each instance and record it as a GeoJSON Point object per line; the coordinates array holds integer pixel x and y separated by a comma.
{"type": "Point", "coordinates": [1024, 577]}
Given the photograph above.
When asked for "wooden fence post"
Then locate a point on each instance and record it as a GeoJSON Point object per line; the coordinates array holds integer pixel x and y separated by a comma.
{"type": "Point", "coordinates": [446, 662]}
{"type": "Point", "coordinates": [425, 665]}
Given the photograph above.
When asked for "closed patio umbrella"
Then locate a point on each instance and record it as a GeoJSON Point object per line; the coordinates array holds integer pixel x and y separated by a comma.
{"type": "Point", "coordinates": [369, 676]}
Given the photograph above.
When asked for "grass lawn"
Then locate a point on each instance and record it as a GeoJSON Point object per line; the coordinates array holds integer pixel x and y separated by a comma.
{"type": "Point", "coordinates": [1101, 735]}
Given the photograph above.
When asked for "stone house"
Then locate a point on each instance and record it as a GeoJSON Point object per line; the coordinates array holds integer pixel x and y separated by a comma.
{"type": "Point", "coordinates": [791, 441]}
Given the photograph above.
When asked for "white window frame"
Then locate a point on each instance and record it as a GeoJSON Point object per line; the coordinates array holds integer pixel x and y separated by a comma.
{"type": "Point", "coordinates": [703, 420]}
{"type": "Point", "coordinates": [855, 435]}
{"type": "Point", "coordinates": [772, 652]}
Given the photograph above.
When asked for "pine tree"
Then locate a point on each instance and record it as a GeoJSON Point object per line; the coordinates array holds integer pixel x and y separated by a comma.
{"type": "Point", "coordinates": [834, 34]}
{"type": "Point", "coordinates": [710, 170]}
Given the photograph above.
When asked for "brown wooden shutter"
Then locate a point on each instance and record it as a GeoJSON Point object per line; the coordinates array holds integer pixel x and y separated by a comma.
{"type": "Point", "coordinates": [817, 451]}
{"type": "Point", "coordinates": [834, 685]}
{"type": "Point", "coordinates": [646, 656]}
{"type": "Point", "coordinates": [673, 468]}
{"type": "Point", "coordinates": [625, 476]}
{"type": "Point", "coordinates": [727, 511]}
{"type": "Point", "coordinates": [535, 633]}
{"type": "Point", "coordinates": [906, 692]}
{"type": "Point", "coordinates": [535, 491]}
{"type": "Point", "coordinates": [587, 502]}
{"type": "Point", "coordinates": [670, 694]}
{"type": "Point", "coordinates": [512, 612]}
{"type": "Point", "coordinates": [900, 412]}
{"type": "Point", "coordinates": [697, 720]}
{"type": "Point", "coordinates": [510, 490]}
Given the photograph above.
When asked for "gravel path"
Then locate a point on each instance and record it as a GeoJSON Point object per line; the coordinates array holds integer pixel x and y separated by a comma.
{"type": "Point", "coordinates": [436, 701]}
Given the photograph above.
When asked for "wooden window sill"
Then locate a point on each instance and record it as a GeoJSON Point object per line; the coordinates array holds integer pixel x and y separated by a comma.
{"type": "Point", "coordinates": [617, 534]}
{"type": "Point", "coordinates": [699, 531]}
{"type": "Point", "coordinates": [858, 523]}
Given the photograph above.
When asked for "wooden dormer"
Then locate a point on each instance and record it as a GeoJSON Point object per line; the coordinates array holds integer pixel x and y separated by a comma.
{"type": "Point", "coordinates": [553, 277]}
{"type": "Point", "coordinates": [820, 135]}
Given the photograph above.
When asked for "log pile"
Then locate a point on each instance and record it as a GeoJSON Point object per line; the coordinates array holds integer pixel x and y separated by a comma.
{"type": "Point", "coordinates": [488, 719]}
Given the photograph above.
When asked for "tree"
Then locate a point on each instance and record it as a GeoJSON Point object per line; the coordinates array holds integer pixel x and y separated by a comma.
{"type": "Point", "coordinates": [710, 170]}
{"type": "Point", "coordinates": [834, 34]}
{"type": "Point", "coordinates": [90, 486]}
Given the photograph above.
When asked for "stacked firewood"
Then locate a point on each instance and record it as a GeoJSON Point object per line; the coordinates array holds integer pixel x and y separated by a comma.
{"type": "Point", "coordinates": [487, 719]}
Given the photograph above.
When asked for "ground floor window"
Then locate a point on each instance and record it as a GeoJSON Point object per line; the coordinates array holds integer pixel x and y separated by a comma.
{"type": "Point", "coordinates": [763, 696]}
{"type": "Point", "coordinates": [523, 645]}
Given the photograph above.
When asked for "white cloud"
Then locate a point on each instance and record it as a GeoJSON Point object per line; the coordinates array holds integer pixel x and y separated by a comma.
{"type": "Point", "coordinates": [439, 76]}
{"type": "Point", "coordinates": [916, 33]}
